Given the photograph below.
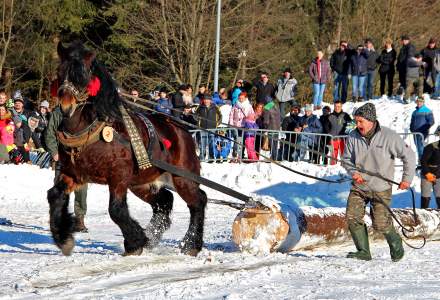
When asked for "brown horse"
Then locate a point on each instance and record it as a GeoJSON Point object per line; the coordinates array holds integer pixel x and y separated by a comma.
{"type": "Point", "coordinates": [114, 163]}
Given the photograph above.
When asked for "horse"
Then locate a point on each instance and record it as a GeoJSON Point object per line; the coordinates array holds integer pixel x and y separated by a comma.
{"type": "Point", "coordinates": [113, 163]}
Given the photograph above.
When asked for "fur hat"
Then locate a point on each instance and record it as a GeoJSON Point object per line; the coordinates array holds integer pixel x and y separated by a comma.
{"type": "Point", "coordinates": [366, 111]}
{"type": "Point", "coordinates": [44, 104]}
{"type": "Point", "coordinates": [308, 107]}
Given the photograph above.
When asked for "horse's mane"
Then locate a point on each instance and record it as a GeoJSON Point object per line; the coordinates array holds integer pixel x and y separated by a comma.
{"type": "Point", "coordinates": [107, 100]}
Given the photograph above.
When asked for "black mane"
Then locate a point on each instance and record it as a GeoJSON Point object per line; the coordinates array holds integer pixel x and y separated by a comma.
{"type": "Point", "coordinates": [107, 100]}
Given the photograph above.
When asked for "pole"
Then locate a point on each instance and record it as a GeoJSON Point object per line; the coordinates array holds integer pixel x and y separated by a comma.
{"type": "Point", "coordinates": [217, 46]}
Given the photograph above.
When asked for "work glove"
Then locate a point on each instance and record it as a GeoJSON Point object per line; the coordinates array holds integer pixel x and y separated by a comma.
{"type": "Point", "coordinates": [430, 177]}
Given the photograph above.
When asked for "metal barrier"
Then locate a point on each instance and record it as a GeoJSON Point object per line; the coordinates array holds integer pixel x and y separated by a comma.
{"type": "Point", "coordinates": [276, 144]}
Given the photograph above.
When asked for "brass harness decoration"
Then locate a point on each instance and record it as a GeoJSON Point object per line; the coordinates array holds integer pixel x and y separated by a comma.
{"type": "Point", "coordinates": [136, 141]}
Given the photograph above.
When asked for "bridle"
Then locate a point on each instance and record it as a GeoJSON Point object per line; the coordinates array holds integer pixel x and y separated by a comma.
{"type": "Point", "coordinates": [80, 95]}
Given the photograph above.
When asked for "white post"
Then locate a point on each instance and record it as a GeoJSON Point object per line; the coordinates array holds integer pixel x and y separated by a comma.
{"type": "Point", "coordinates": [217, 45]}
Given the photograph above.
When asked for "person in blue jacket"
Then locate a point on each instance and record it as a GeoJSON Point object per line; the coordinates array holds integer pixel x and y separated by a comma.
{"type": "Point", "coordinates": [421, 121]}
{"type": "Point", "coordinates": [358, 72]}
{"type": "Point", "coordinates": [164, 104]}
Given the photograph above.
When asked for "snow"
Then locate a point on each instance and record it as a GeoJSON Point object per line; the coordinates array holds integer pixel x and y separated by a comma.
{"type": "Point", "coordinates": [33, 268]}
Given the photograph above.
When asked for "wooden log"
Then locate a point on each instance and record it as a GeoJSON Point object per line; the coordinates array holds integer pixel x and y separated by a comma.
{"type": "Point", "coordinates": [260, 231]}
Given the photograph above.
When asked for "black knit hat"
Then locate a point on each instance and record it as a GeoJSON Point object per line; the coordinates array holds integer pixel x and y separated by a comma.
{"type": "Point", "coordinates": [366, 111]}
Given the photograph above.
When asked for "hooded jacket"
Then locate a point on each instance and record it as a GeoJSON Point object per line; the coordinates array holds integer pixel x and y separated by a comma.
{"type": "Point", "coordinates": [239, 112]}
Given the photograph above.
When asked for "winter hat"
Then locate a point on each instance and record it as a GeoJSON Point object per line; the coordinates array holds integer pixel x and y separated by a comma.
{"type": "Point", "coordinates": [17, 120]}
{"type": "Point", "coordinates": [17, 96]}
{"type": "Point", "coordinates": [404, 37]}
{"type": "Point", "coordinates": [44, 104]}
{"type": "Point", "coordinates": [308, 107]}
{"type": "Point", "coordinates": [287, 70]}
{"type": "Point", "coordinates": [366, 111]}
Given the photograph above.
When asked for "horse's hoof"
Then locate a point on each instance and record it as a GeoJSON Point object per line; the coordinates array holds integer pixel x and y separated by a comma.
{"type": "Point", "coordinates": [136, 252]}
{"type": "Point", "coordinates": [191, 252]}
{"type": "Point", "coordinates": [67, 247]}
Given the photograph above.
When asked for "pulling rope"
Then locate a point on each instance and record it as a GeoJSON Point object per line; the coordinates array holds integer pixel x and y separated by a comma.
{"type": "Point", "coordinates": [342, 180]}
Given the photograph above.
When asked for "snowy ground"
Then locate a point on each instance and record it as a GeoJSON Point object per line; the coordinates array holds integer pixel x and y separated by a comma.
{"type": "Point", "coordinates": [32, 267]}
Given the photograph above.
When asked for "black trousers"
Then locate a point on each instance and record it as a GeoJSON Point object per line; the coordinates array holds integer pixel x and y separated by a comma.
{"type": "Point", "coordinates": [402, 78]}
{"type": "Point", "coordinates": [386, 77]}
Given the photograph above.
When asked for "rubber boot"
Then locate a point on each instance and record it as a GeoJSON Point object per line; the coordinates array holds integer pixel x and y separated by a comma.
{"type": "Point", "coordinates": [79, 224]}
{"type": "Point", "coordinates": [424, 202]}
{"type": "Point", "coordinates": [395, 242]}
{"type": "Point", "coordinates": [360, 239]}
{"type": "Point", "coordinates": [437, 199]}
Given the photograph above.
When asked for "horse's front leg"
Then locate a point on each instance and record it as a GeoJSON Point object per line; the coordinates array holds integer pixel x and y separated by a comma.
{"type": "Point", "coordinates": [134, 236]}
{"type": "Point", "coordinates": [61, 221]}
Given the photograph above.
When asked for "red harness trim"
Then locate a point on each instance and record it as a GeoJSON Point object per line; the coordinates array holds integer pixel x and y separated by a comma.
{"type": "Point", "coordinates": [167, 143]}
{"type": "Point", "coordinates": [93, 87]}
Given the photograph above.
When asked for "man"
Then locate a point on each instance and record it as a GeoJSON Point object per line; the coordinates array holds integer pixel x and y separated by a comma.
{"type": "Point", "coordinates": [338, 121]}
{"type": "Point", "coordinates": [285, 91]}
{"type": "Point", "coordinates": [414, 77]}
{"type": "Point", "coordinates": [135, 94]}
{"type": "Point", "coordinates": [374, 148]}
{"type": "Point", "coordinates": [271, 121]}
{"type": "Point", "coordinates": [421, 121]}
{"type": "Point", "coordinates": [430, 172]}
{"type": "Point", "coordinates": [358, 72]}
{"type": "Point", "coordinates": [340, 63]}
{"type": "Point", "coordinates": [209, 117]}
{"type": "Point", "coordinates": [177, 100]}
{"type": "Point", "coordinates": [325, 141]}
{"type": "Point", "coordinates": [309, 124]}
{"type": "Point", "coordinates": [430, 75]}
{"type": "Point", "coordinates": [19, 109]}
{"type": "Point", "coordinates": [264, 88]}
{"type": "Point", "coordinates": [291, 123]}
{"type": "Point", "coordinates": [371, 68]}
{"type": "Point", "coordinates": [80, 207]}
{"type": "Point", "coordinates": [406, 52]}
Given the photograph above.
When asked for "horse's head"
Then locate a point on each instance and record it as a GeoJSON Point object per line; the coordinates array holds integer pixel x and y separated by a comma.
{"type": "Point", "coordinates": [74, 74]}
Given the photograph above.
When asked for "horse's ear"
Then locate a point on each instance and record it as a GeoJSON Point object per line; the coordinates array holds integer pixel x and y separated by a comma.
{"type": "Point", "coordinates": [61, 51]}
{"type": "Point", "coordinates": [89, 57]}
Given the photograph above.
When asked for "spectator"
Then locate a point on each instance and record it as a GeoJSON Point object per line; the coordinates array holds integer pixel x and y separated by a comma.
{"type": "Point", "coordinates": [42, 116]}
{"type": "Point", "coordinates": [421, 120]}
{"type": "Point", "coordinates": [371, 68]}
{"type": "Point", "coordinates": [19, 109]}
{"type": "Point", "coordinates": [164, 104]}
{"type": "Point", "coordinates": [414, 77]}
{"type": "Point", "coordinates": [221, 147]}
{"type": "Point", "coordinates": [236, 91]}
{"type": "Point", "coordinates": [430, 171]}
{"type": "Point", "coordinates": [258, 109]}
{"type": "Point", "coordinates": [224, 97]}
{"type": "Point", "coordinates": [187, 115]}
{"type": "Point", "coordinates": [325, 142]}
{"type": "Point", "coordinates": [386, 60]}
{"type": "Point", "coordinates": [320, 73]}
{"type": "Point", "coordinates": [3, 98]}
{"type": "Point", "coordinates": [436, 65]}
{"type": "Point", "coordinates": [428, 55]}
{"type": "Point", "coordinates": [406, 52]}
{"type": "Point", "coordinates": [285, 91]}
{"type": "Point", "coordinates": [239, 112]}
{"type": "Point", "coordinates": [338, 121]}
{"type": "Point", "coordinates": [264, 88]}
{"type": "Point", "coordinates": [177, 100]}
{"type": "Point", "coordinates": [249, 136]}
{"type": "Point", "coordinates": [135, 95]}
{"type": "Point", "coordinates": [340, 64]}
{"type": "Point", "coordinates": [209, 117]}
{"type": "Point", "coordinates": [201, 92]}
{"type": "Point", "coordinates": [187, 95]}
{"type": "Point", "coordinates": [21, 138]}
{"type": "Point", "coordinates": [309, 124]}
{"type": "Point", "coordinates": [6, 134]}
{"type": "Point", "coordinates": [271, 121]}
{"type": "Point", "coordinates": [291, 123]}
{"type": "Point", "coordinates": [358, 71]}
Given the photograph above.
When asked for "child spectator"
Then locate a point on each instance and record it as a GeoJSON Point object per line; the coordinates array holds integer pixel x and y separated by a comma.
{"type": "Point", "coordinates": [249, 136]}
{"type": "Point", "coordinates": [222, 147]}
{"type": "Point", "coordinates": [6, 134]}
{"type": "Point", "coordinates": [21, 139]}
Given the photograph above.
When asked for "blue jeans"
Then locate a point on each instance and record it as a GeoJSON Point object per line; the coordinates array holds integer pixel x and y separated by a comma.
{"type": "Point", "coordinates": [206, 140]}
{"type": "Point", "coordinates": [341, 82]}
{"type": "Point", "coordinates": [437, 86]}
{"type": "Point", "coordinates": [418, 140]}
{"type": "Point", "coordinates": [358, 85]}
{"type": "Point", "coordinates": [318, 93]}
{"type": "Point", "coordinates": [369, 84]}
